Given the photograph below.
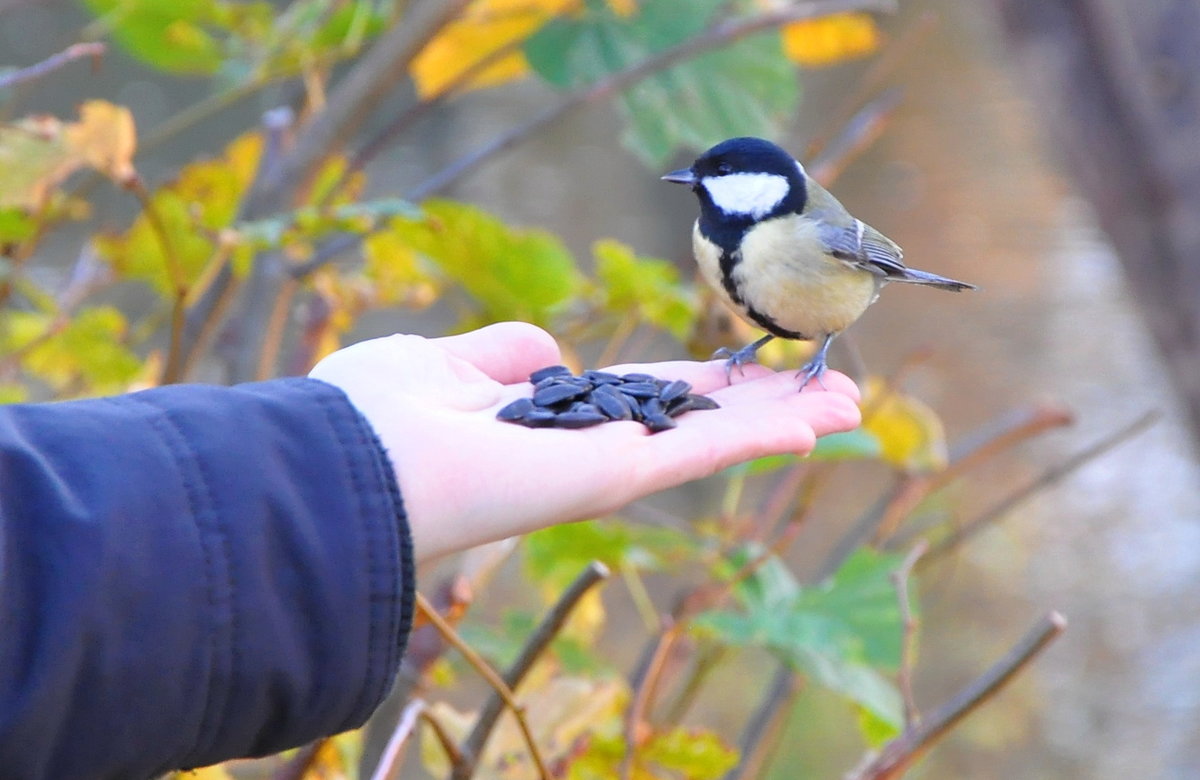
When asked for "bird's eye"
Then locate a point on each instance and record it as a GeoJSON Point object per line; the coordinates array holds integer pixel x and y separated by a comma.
{"type": "Point", "coordinates": [724, 169]}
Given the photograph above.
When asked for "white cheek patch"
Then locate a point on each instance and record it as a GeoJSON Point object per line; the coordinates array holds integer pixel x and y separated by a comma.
{"type": "Point", "coordinates": [752, 194]}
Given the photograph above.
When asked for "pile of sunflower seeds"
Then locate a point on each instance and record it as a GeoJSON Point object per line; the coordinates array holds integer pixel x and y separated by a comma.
{"type": "Point", "coordinates": [562, 400]}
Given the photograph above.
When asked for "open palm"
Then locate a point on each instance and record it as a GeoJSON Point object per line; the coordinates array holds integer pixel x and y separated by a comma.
{"type": "Point", "coordinates": [467, 478]}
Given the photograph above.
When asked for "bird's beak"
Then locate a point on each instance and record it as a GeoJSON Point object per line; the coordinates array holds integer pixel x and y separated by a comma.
{"type": "Point", "coordinates": [681, 176]}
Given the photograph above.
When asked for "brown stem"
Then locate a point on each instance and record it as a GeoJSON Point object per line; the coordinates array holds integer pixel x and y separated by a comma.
{"type": "Point", "coordinates": [643, 695]}
{"type": "Point", "coordinates": [488, 673]}
{"type": "Point", "coordinates": [443, 738]}
{"type": "Point", "coordinates": [173, 371]}
{"type": "Point", "coordinates": [535, 645]}
{"type": "Point", "coordinates": [276, 324]}
{"type": "Point", "coordinates": [297, 767]}
{"type": "Point", "coordinates": [901, 753]}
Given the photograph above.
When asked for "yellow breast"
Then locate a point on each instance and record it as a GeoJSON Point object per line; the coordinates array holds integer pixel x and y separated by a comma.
{"type": "Point", "coordinates": [785, 274]}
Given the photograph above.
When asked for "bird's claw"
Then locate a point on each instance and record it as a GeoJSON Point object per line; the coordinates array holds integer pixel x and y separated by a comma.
{"type": "Point", "coordinates": [814, 369]}
{"type": "Point", "coordinates": [736, 359]}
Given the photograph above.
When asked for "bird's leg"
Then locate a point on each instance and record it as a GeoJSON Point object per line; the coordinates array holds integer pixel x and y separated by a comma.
{"type": "Point", "coordinates": [741, 357]}
{"type": "Point", "coordinates": [815, 368]}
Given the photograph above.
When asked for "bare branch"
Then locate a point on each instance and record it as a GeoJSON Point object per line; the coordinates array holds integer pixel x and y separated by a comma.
{"type": "Point", "coordinates": [389, 762]}
{"type": "Point", "coordinates": [49, 65]}
{"type": "Point", "coordinates": [1047, 478]}
{"type": "Point", "coordinates": [721, 34]}
{"type": "Point", "coordinates": [535, 645]}
{"type": "Point", "coordinates": [643, 694]}
{"type": "Point", "coordinates": [297, 767]}
{"type": "Point", "coordinates": [900, 579]}
{"type": "Point", "coordinates": [488, 673]}
{"type": "Point", "coordinates": [762, 733]}
{"type": "Point", "coordinates": [897, 756]}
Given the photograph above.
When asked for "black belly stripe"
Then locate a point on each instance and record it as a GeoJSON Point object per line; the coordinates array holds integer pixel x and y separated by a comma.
{"type": "Point", "coordinates": [729, 261]}
{"type": "Point", "coordinates": [771, 326]}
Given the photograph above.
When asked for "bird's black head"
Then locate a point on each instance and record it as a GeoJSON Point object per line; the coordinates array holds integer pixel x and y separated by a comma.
{"type": "Point", "coordinates": [744, 180]}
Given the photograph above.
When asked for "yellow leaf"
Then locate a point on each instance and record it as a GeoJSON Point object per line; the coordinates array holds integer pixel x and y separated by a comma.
{"type": "Point", "coordinates": [910, 433]}
{"type": "Point", "coordinates": [486, 27]}
{"type": "Point", "coordinates": [217, 772]}
{"type": "Point", "coordinates": [104, 138]}
{"type": "Point", "coordinates": [829, 40]}
{"type": "Point", "coordinates": [33, 158]}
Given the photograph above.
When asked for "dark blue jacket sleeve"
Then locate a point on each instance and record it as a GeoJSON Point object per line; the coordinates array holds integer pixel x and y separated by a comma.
{"type": "Point", "coordinates": [193, 573]}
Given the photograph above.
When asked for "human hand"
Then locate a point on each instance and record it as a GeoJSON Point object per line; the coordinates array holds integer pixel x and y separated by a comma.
{"type": "Point", "coordinates": [467, 478]}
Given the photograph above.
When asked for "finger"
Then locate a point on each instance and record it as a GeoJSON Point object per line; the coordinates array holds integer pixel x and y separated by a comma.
{"type": "Point", "coordinates": [706, 442]}
{"type": "Point", "coordinates": [782, 384]}
{"type": "Point", "coordinates": [507, 351]}
{"type": "Point", "coordinates": [709, 376]}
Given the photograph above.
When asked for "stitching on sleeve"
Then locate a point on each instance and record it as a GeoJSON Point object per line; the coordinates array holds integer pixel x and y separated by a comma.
{"type": "Point", "coordinates": [203, 515]}
{"type": "Point", "coordinates": [383, 558]}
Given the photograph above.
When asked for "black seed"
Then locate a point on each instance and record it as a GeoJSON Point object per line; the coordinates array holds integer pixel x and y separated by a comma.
{"type": "Point", "coordinates": [652, 407]}
{"type": "Point", "coordinates": [612, 405]}
{"type": "Point", "coordinates": [548, 371]}
{"type": "Point", "coordinates": [638, 378]}
{"type": "Point", "coordinates": [516, 410]}
{"type": "Point", "coordinates": [639, 389]}
{"type": "Point", "coordinates": [659, 422]}
{"type": "Point", "coordinates": [702, 402]}
{"type": "Point", "coordinates": [548, 396]}
{"type": "Point", "coordinates": [578, 381]}
{"type": "Point", "coordinates": [585, 408]}
{"type": "Point", "coordinates": [601, 378]}
{"type": "Point", "coordinates": [549, 382]}
{"type": "Point", "coordinates": [579, 419]}
{"type": "Point", "coordinates": [539, 418]}
{"type": "Point", "coordinates": [673, 390]}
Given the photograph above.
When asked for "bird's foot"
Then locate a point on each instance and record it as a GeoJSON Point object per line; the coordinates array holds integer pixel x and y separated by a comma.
{"type": "Point", "coordinates": [814, 369]}
{"type": "Point", "coordinates": [737, 359]}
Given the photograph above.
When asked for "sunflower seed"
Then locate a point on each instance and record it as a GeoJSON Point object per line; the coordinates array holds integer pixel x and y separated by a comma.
{"type": "Point", "coordinates": [579, 419]}
{"type": "Point", "coordinates": [547, 372]}
{"type": "Point", "coordinates": [651, 407]}
{"type": "Point", "coordinates": [639, 389]}
{"type": "Point", "coordinates": [638, 378]}
{"type": "Point", "coordinates": [539, 418]}
{"type": "Point", "coordinates": [673, 390]}
{"type": "Point", "coordinates": [548, 396]}
{"type": "Point", "coordinates": [702, 402]}
{"type": "Point", "coordinates": [612, 404]}
{"type": "Point", "coordinates": [601, 378]}
{"type": "Point", "coordinates": [516, 410]}
{"type": "Point", "coordinates": [659, 423]}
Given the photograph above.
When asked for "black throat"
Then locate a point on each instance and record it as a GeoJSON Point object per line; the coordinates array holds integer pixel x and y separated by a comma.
{"type": "Point", "coordinates": [728, 230]}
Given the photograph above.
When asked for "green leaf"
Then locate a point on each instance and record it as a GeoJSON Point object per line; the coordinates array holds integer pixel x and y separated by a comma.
{"type": "Point", "coordinates": [697, 754]}
{"type": "Point", "coordinates": [15, 225]}
{"type": "Point", "coordinates": [647, 288]}
{"type": "Point", "coordinates": [839, 633]}
{"type": "Point", "coordinates": [176, 36]}
{"type": "Point", "coordinates": [556, 555]}
{"type": "Point", "coordinates": [858, 444]}
{"type": "Point", "coordinates": [512, 273]}
{"type": "Point", "coordinates": [88, 350]}
{"type": "Point", "coordinates": [744, 89]}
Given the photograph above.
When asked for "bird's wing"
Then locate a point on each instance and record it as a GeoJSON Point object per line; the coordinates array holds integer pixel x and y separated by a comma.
{"type": "Point", "coordinates": [864, 246]}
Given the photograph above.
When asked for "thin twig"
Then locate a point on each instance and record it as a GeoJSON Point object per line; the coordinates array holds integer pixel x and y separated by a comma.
{"type": "Point", "coordinates": [50, 64]}
{"type": "Point", "coordinates": [900, 579]}
{"type": "Point", "coordinates": [535, 645]}
{"type": "Point", "coordinates": [276, 324]}
{"type": "Point", "coordinates": [643, 695]}
{"type": "Point", "coordinates": [762, 733]}
{"type": "Point", "coordinates": [721, 34]}
{"type": "Point", "coordinates": [1047, 478]}
{"type": "Point", "coordinates": [389, 762]}
{"type": "Point", "coordinates": [443, 738]}
{"type": "Point", "coordinates": [172, 371]}
{"type": "Point", "coordinates": [706, 661]}
{"type": "Point", "coordinates": [488, 673]}
{"type": "Point", "coordinates": [897, 756]}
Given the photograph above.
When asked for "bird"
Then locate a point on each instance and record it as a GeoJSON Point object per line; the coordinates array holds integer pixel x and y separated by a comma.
{"type": "Point", "coordinates": [784, 253]}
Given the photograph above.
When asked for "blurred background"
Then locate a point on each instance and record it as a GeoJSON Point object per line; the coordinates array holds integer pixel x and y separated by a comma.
{"type": "Point", "coordinates": [970, 175]}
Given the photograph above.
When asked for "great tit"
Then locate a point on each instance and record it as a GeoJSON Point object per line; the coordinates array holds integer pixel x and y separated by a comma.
{"type": "Point", "coordinates": [785, 254]}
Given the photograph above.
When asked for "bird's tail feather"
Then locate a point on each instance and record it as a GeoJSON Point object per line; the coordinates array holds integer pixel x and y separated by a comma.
{"type": "Point", "coordinates": [913, 276]}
